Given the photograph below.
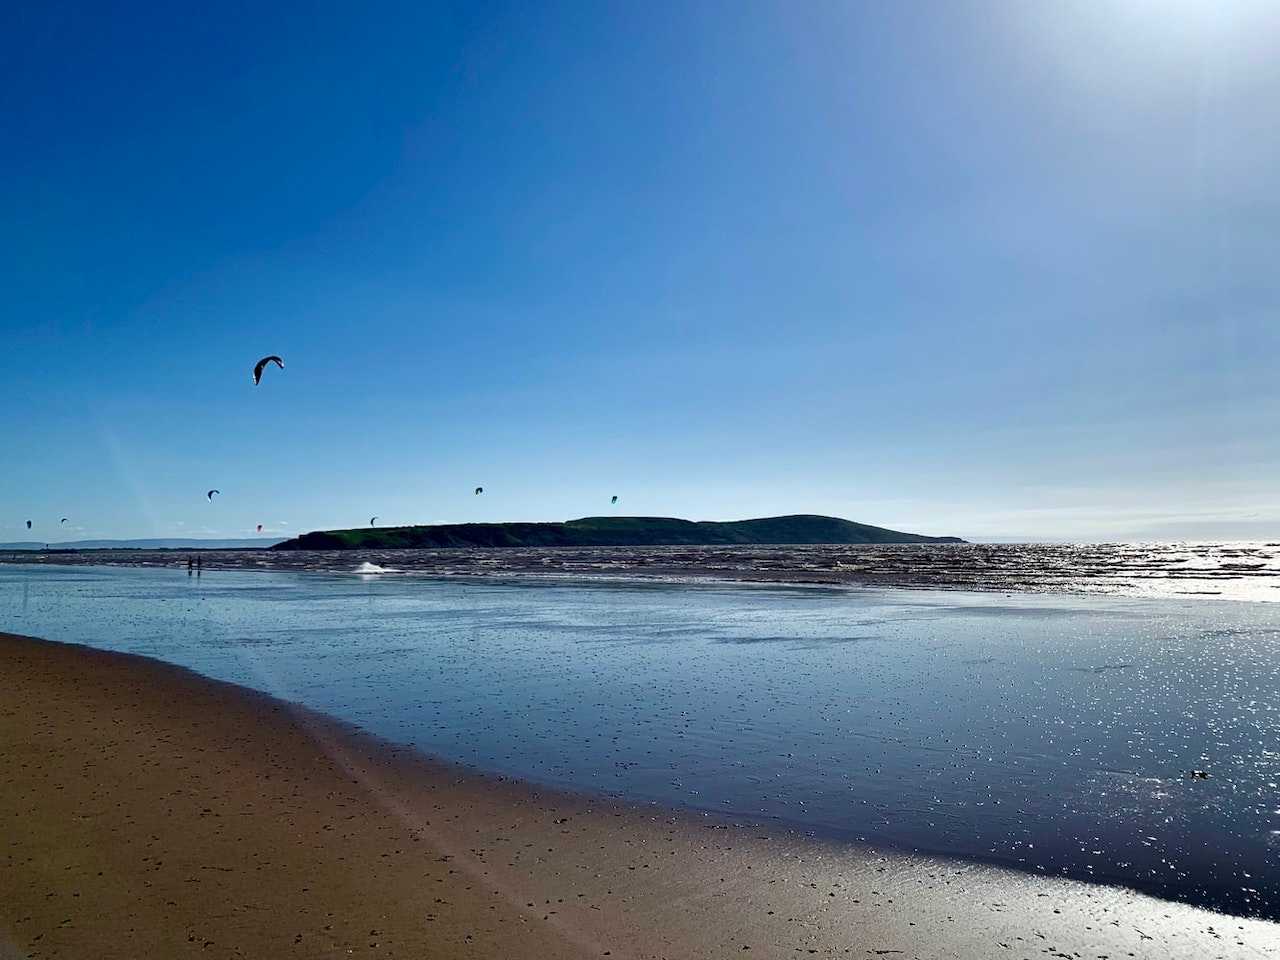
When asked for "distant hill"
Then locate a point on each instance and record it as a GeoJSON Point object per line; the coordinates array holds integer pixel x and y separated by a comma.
{"type": "Point", "coordinates": [610, 532]}
{"type": "Point", "coordinates": [260, 543]}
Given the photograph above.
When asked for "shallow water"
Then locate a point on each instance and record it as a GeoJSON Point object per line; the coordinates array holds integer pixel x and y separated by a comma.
{"type": "Point", "coordinates": [1232, 571]}
{"type": "Point", "coordinates": [1051, 733]}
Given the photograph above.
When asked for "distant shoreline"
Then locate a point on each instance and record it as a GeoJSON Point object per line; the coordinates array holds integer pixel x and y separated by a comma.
{"type": "Point", "coordinates": [1229, 572]}
{"type": "Point", "coordinates": [794, 529]}
{"type": "Point", "coordinates": [162, 543]}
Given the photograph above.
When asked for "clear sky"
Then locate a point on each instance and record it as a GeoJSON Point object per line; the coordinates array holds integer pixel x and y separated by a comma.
{"type": "Point", "coordinates": [999, 270]}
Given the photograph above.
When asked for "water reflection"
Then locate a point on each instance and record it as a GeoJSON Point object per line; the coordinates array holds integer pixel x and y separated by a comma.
{"type": "Point", "coordinates": [1051, 733]}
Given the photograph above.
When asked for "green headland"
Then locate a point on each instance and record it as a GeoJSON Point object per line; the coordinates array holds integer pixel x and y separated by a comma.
{"type": "Point", "coordinates": [611, 532]}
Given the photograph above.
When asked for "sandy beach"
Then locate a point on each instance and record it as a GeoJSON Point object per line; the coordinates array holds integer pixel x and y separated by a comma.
{"type": "Point", "coordinates": [148, 811]}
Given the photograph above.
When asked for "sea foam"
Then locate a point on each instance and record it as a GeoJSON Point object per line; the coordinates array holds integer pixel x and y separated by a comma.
{"type": "Point", "coordinates": [372, 568]}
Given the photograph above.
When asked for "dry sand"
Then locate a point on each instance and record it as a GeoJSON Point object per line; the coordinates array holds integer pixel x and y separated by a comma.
{"type": "Point", "coordinates": [146, 811]}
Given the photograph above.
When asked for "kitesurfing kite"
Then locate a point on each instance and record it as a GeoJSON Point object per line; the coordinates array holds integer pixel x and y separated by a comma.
{"type": "Point", "coordinates": [479, 490]}
{"type": "Point", "coordinates": [262, 365]}
{"type": "Point", "coordinates": [371, 520]}
{"type": "Point", "coordinates": [28, 524]}
{"type": "Point", "coordinates": [615, 499]}
{"type": "Point", "coordinates": [259, 528]}
{"type": "Point", "coordinates": [62, 521]}
{"type": "Point", "coordinates": [211, 493]}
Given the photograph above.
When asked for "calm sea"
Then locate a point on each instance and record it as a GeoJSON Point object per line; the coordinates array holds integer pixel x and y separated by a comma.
{"type": "Point", "coordinates": [1052, 733]}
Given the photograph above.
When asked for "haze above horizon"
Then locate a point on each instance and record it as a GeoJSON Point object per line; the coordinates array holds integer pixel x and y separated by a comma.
{"type": "Point", "coordinates": [978, 269]}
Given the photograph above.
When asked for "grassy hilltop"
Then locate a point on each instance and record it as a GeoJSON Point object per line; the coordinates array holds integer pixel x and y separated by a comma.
{"type": "Point", "coordinates": [610, 532]}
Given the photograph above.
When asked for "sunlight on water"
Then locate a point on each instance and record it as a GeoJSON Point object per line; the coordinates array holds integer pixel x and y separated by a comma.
{"type": "Point", "coordinates": [1056, 734]}
{"type": "Point", "coordinates": [1230, 571]}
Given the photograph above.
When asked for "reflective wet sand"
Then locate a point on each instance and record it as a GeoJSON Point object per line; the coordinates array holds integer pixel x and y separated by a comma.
{"type": "Point", "coordinates": [1051, 733]}
{"type": "Point", "coordinates": [148, 812]}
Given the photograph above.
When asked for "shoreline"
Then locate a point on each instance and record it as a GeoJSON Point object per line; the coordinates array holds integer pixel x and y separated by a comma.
{"type": "Point", "coordinates": [150, 811]}
{"type": "Point", "coordinates": [683, 577]}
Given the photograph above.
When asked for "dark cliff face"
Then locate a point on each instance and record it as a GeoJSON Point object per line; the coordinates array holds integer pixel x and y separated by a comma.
{"type": "Point", "coordinates": [611, 532]}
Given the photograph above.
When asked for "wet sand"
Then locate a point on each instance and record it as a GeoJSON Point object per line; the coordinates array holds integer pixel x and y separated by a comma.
{"type": "Point", "coordinates": [148, 811]}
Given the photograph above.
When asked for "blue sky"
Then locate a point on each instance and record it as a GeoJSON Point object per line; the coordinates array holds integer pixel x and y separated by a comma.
{"type": "Point", "coordinates": [987, 269]}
